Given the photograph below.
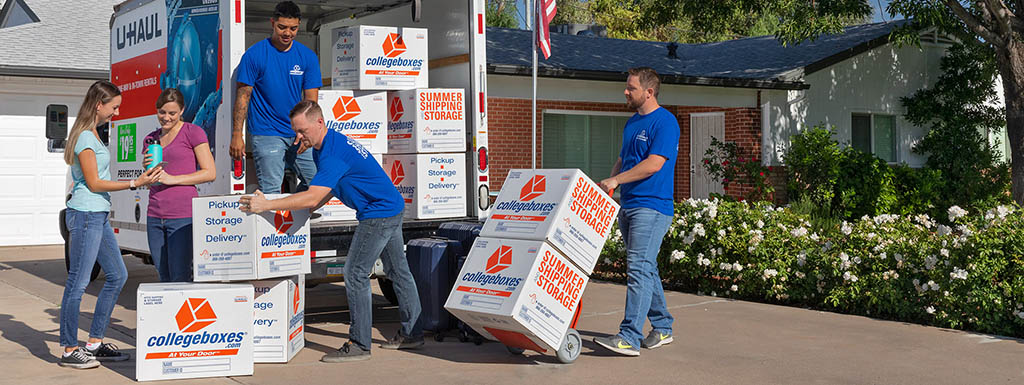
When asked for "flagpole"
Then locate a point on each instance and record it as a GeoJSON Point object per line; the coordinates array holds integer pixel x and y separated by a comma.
{"type": "Point", "coordinates": [533, 104]}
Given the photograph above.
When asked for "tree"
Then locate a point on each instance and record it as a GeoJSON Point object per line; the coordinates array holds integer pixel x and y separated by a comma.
{"type": "Point", "coordinates": [573, 12]}
{"type": "Point", "coordinates": [502, 13]}
{"type": "Point", "coordinates": [996, 25]}
{"type": "Point", "coordinates": [960, 108]}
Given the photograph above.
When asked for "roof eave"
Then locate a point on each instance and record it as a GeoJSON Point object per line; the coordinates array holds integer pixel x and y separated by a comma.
{"type": "Point", "coordinates": [53, 72]}
{"type": "Point", "coordinates": [564, 73]}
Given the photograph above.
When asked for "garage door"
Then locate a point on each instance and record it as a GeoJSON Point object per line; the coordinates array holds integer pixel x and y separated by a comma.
{"type": "Point", "coordinates": [32, 179]}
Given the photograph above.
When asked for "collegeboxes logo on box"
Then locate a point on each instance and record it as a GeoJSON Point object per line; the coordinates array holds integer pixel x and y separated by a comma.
{"type": "Point", "coordinates": [533, 188]}
{"type": "Point", "coordinates": [500, 260]}
{"type": "Point", "coordinates": [393, 45]}
{"type": "Point", "coordinates": [195, 314]}
{"type": "Point", "coordinates": [346, 108]}
{"type": "Point", "coordinates": [283, 221]}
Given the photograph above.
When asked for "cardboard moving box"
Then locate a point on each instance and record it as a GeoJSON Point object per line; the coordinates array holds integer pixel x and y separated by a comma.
{"type": "Point", "coordinates": [279, 308]}
{"type": "Point", "coordinates": [190, 330]}
{"type": "Point", "coordinates": [230, 245]}
{"type": "Point", "coordinates": [360, 115]}
{"type": "Point", "coordinates": [433, 185]}
{"type": "Point", "coordinates": [522, 293]}
{"type": "Point", "coordinates": [379, 58]}
{"type": "Point", "coordinates": [561, 206]}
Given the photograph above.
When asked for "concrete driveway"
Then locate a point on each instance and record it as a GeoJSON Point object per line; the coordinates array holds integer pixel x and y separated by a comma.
{"type": "Point", "coordinates": [717, 341]}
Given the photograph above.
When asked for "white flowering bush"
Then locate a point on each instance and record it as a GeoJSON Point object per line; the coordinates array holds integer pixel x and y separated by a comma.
{"type": "Point", "coordinates": [965, 275]}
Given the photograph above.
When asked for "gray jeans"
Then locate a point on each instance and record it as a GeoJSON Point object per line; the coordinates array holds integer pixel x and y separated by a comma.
{"type": "Point", "coordinates": [379, 237]}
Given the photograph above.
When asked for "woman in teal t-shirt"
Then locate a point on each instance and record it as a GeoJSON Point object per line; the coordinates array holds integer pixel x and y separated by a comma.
{"type": "Point", "coordinates": [92, 238]}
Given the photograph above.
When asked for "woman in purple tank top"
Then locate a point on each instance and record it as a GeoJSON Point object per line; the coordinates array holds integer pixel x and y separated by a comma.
{"type": "Point", "coordinates": [187, 162]}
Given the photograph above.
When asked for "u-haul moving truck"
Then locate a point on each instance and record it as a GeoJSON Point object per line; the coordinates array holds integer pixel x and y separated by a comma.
{"type": "Point", "coordinates": [196, 45]}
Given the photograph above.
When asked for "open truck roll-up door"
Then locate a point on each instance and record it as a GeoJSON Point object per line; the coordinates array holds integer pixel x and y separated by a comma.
{"type": "Point", "coordinates": [195, 46]}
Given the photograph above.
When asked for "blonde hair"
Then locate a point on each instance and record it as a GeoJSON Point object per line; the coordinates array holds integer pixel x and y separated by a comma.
{"type": "Point", "coordinates": [100, 92]}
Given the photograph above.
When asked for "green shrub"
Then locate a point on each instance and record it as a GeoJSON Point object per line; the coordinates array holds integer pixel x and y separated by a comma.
{"type": "Point", "coordinates": [969, 275]}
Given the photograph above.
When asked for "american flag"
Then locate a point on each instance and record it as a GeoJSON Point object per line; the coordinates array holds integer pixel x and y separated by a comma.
{"type": "Point", "coordinates": [547, 13]}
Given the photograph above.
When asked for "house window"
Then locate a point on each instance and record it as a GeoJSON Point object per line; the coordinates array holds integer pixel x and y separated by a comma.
{"type": "Point", "coordinates": [589, 141]}
{"type": "Point", "coordinates": [15, 13]}
{"type": "Point", "coordinates": [875, 134]}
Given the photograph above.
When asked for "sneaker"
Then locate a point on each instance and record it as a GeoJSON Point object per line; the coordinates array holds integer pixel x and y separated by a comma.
{"type": "Point", "coordinates": [315, 217]}
{"type": "Point", "coordinates": [400, 341]}
{"type": "Point", "coordinates": [108, 352]}
{"type": "Point", "coordinates": [618, 345]}
{"type": "Point", "coordinates": [656, 339]}
{"type": "Point", "coordinates": [78, 359]}
{"type": "Point", "coordinates": [348, 352]}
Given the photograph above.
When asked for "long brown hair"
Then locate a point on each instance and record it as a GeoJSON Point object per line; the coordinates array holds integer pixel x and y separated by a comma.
{"type": "Point", "coordinates": [100, 92]}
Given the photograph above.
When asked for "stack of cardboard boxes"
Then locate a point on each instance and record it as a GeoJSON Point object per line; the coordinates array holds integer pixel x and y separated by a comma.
{"type": "Point", "coordinates": [418, 134]}
{"type": "Point", "coordinates": [523, 279]}
{"type": "Point", "coordinates": [189, 330]}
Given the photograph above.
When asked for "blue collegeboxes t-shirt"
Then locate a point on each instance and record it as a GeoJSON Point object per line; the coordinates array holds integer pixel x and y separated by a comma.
{"type": "Point", "coordinates": [355, 178]}
{"type": "Point", "coordinates": [278, 80]}
{"type": "Point", "coordinates": [656, 133]}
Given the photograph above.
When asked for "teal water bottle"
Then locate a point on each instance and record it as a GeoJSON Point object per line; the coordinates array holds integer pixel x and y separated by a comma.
{"type": "Point", "coordinates": [157, 152]}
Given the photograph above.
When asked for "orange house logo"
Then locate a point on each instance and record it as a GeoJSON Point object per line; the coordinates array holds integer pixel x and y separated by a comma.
{"type": "Point", "coordinates": [500, 260]}
{"type": "Point", "coordinates": [346, 108]}
{"type": "Point", "coordinates": [534, 188]}
{"type": "Point", "coordinates": [396, 109]}
{"type": "Point", "coordinates": [283, 221]}
{"type": "Point", "coordinates": [393, 45]}
{"type": "Point", "coordinates": [194, 315]}
{"type": "Point", "coordinates": [397, 173]}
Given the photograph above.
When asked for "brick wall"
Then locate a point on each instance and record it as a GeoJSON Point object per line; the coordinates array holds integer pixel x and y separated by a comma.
{"type": "Point", "coordinates": [508, 121]}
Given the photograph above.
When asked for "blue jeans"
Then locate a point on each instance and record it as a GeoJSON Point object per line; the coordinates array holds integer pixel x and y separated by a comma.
{"type": "Point", "coordinates": [372, 237]}
{"type": "Point", "coordinates": [272, 154]}
{"type": "Point", "coordinates": [170, 244]}
{"type": "Point", "coordinates": [642, 231]}
{"type": "Point", "coordinates": [92, 241]}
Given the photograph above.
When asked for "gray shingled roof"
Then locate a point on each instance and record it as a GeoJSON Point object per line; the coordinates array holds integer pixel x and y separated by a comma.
{"type": "Point", "coordinates": [71, 39]}
{"type": "Point", "coordinates": [755, 61]}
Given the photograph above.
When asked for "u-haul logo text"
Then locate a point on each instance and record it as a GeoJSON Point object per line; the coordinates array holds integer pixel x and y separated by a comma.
{"type": "Point", "coordinates": [145, 29]}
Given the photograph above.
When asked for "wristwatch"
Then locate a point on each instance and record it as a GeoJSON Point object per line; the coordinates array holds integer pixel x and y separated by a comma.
{"type": "Point", "coordinates": [131, 185]}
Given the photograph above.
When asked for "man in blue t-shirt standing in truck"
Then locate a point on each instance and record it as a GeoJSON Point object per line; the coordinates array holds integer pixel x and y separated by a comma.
{"type": "Point", "coordinates": [348, 171]}
{"type": "Point", "coordinates": [274, 74]}
{"type": "Point", "coordinates": [644, 175]}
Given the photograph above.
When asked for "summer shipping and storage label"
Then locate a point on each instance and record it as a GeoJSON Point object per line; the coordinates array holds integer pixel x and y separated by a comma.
{"type": "Point", "coordinates": [426, 120]}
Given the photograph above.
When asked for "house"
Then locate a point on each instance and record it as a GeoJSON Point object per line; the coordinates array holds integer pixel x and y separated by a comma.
{"type": "Point", "coordinates": [53, 50]}
{"type": "Point", "coordinates": [753, 91]}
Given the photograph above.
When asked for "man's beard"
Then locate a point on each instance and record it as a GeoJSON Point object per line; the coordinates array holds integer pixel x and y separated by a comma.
{"type": "Point", "coordinates": [633, 103]}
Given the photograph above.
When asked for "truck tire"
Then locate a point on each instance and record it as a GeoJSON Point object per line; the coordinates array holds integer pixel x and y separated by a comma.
{"type": "Point", "coordinates": [66, 234]}
{"type": "Point", "coordinates": [388, 289]}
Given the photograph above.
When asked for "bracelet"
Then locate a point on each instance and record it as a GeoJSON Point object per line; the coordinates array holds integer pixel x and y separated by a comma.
{"type": "Point", "coordinates": [131, 185]}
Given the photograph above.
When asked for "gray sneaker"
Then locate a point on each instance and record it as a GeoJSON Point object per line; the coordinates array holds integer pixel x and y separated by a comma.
{"type": "Point", "coordinates": [78, 359]}
{"type": "Point", "coordinates": [348, 352]}
{"type": "Point", "coordinates": [618, 345]}
{"type": "Point", "coordinates": [400, 341]}
{"type": "Point", "coordinates": [656, 339]}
